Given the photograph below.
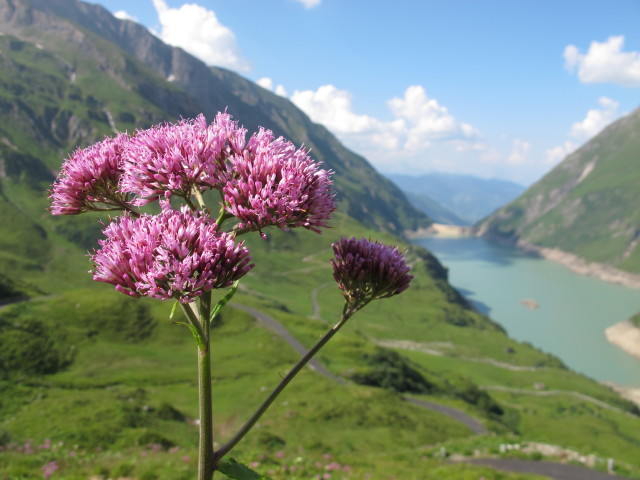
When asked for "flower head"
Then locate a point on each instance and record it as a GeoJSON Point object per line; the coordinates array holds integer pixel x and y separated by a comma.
{"type": "Point", "coordinates": [174, 159]}
{"type": "Point", "coordinates": [367, 270]}
{"type": "Point", "coordinates": [274, 184]}
{"type": "Point", "coordinates": [177, 254]}
{"type": "Point", "coordinates": [90, 177]}
{"type": "Point", "coordinates": [49, 468]}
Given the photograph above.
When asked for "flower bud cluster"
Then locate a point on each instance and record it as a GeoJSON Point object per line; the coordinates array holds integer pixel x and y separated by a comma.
{"type": "Point", "coordinates": [366, 270]}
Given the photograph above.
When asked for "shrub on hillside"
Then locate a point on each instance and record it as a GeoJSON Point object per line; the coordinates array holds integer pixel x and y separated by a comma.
{"type": "Point", "coordinates": [117, 318]}
{"type": "Point", "coordinates": [20, 339]}
{"type": "Point", "coordinates": [389, 370]}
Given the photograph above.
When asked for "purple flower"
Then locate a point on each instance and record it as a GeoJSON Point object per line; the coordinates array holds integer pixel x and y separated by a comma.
{"type": "Point", "coordinates": [276, 185]}
{"type": "Point", "coordinates": [49, 468]}
{"type": "Point", "coordinates": [367, 270]}
{"type": "Point", "coordinates": [177, 254]}
{"type": "Point", "coordinates": [90, 177]}
{"type": "Point", "coordinates": [178, 159]}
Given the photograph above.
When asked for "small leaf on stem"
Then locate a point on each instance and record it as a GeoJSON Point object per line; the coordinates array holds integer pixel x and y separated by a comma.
{"type": "Point", "coordinates": [238, 471]}
{"type": "Point", "coordinates": [223, 301]}
{"type": "Point", "coordinates": [173, 311]}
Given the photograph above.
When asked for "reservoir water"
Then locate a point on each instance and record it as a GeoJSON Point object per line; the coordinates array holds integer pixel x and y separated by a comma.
{"type": "Point", "coordinates": [573, 311]}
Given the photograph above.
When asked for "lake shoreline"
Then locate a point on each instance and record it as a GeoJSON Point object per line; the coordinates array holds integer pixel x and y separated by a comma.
{"type": "Point", "coordinates": [626, 336]}
{"type": "Point", "coordinates": [571, 261]}
{"type": "Point", "coordinates": [581, 266]}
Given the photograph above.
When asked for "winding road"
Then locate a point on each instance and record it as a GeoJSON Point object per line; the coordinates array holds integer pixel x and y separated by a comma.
{"type": "Point", "coordinates": [554, 471]}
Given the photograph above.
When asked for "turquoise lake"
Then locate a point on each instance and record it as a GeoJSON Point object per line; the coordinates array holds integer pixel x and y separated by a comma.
{"type": "Point", "coordinates": [573, 310]}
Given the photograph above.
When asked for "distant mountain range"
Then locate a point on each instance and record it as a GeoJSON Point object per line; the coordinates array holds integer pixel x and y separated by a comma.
{"type": "Point", "coordinates": [456, 199]}
{"type": "Point", "coordinates": [589, 205]}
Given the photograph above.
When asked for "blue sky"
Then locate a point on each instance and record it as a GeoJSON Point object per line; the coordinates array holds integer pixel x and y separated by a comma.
{"type": "Point", "coordinates": [491, 88]}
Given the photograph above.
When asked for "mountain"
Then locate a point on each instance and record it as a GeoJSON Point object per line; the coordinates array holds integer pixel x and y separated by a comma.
{"type": "Point", "coordinates": [588, 205]}
{"type": "Point", "coordinates": [467, 197]}
{"type": "Point", "coordinates": [434, 210]}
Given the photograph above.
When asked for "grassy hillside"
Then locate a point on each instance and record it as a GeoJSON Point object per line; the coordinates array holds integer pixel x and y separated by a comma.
{"type": "Point", "coordinates": [587, 205]}
{"type": "Point", "coordinates": [116, 393]}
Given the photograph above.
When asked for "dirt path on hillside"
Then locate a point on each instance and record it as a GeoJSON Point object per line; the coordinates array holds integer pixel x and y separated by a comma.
{"type": "Point", "coordinates": [551, 393]}
{"type": "Point", "coordinates": [431, 349]}
{"type": "Point", "coordinates": [277, 327]}
{"type": "Point", "coordinates": [475, 426]}
{"type": "Point", "coordinates": [314, 300]}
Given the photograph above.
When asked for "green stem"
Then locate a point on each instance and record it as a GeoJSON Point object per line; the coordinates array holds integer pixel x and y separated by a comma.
{"type": "Point", "coordinates": [194, 324]}
{"type": "Point", "coordinates": [205, 446]}
{"type": "Point", "coordinates": [222, 215]}
{"type": "Point", "coordinates": [226, 448]}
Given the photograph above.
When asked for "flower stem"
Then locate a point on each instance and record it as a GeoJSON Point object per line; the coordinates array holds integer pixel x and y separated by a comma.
{"type": "Point", "coordinates": [274, 394]}
{"type": "Point", "coordinates": [205, 447]}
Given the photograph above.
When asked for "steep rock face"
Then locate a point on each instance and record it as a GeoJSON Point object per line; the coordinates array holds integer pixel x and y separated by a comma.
{"type": "Point", "coordinates": [589, 205]}
{"type": "Point", "coordinates": [90, 29]}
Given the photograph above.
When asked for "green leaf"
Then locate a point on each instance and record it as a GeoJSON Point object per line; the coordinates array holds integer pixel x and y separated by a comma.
{"type": "Point", "coordinates": [194, 332]}
{"type": "Point", "coordinates": [173, 310]}
{"type": "Point", "coordinates": [238, 471]}
{"type": "Point", "coordinates": [223, 301]}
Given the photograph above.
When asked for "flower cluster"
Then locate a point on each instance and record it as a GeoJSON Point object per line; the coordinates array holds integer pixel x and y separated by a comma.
{"type": "Point", "coordinates": [275, 184]}
{"type": "Point", "coordinates": [177, 254]}
{"type": "Point", "coordinates": [264, 182]}
{"type": "Point", "coordinates": [367, 270]}
{"type": "Point", "coordinates": [180, 159]}
{"type": "Point", "coordinates": [90, 177]}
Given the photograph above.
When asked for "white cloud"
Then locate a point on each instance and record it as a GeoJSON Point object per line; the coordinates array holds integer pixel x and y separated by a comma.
{"type": "Point", "coordinates": [419, 121]}
{"type": "Point", "coordinates": [593, 123]}
{"type": "Point", "coordinates": [427, 119]}
{"type": "Point", "coordinates": [122, 15]}
{"type": "Point", "coordinates": [519, 152]}
{"type": "Point", "coordinates": [310, 3]}
{"type": "Point", "coordinates": [605, 63]}
{"type": "Point", "coordinates": [556, 154]}
{"type": "Point", "coordinates": [332, 107]}
{"type": "Point", "coordinates": [267, 83]}
{"type": "Point", "coordinates": [199, 32]}
{"type": "Point", "coordinates": [596, 119]}
{"type": "Point", "coordinates": [421, 134]}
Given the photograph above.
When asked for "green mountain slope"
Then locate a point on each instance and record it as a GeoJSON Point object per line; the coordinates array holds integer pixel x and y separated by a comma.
{"type": "Point", "coordinates": [589, 205]}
